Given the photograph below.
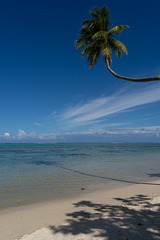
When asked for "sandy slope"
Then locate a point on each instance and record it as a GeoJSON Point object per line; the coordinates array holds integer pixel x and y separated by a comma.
{"type": "Point", "coordinates": [131, 212]}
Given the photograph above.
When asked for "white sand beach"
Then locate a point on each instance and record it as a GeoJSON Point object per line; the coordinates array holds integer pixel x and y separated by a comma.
{"type": "Point", "coordinates": [131, 212]}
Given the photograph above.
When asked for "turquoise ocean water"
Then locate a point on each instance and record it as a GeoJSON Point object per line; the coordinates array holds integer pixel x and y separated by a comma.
{"type": "Point", "coordinates": [31, 173]}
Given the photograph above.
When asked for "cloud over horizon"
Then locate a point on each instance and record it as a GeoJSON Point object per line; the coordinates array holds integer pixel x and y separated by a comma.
{"type": "Point", "coordinates": [87, 122]}
{"type": "Point", "coordinates": [143, 134]}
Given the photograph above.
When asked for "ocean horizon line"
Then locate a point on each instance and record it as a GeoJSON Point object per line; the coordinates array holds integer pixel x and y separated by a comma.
{"type": "Point", "coordinates": [68, 143]}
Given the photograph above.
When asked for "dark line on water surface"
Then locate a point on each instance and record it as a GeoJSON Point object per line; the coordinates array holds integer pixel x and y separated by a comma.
{"type": "Point", "coordinates": [108, 178]}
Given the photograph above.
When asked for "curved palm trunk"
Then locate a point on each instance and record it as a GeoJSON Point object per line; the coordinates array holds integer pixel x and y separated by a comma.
{"type": "Point", "coordinates": [148, 79]}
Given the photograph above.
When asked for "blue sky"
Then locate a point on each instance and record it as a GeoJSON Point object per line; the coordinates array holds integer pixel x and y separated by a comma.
{"type": "Point", "coordinates": [48, 94]}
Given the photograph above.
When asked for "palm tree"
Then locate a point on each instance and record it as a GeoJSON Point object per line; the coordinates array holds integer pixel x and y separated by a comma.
{"type": "Point", "coordinates": [97, 38]}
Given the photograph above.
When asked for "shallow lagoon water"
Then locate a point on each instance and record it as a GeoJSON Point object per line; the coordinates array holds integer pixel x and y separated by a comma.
{"type": "Point", "coordinates": [31, 173]}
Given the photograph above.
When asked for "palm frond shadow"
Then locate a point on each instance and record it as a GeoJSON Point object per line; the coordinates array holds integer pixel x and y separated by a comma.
{"type": "Point", "coordinates": [112, 222]}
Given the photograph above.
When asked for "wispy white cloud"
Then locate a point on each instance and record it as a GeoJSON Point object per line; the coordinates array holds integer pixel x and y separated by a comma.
{"type": "Point", "coordinates": [92, 115]}
{"type": "Point", "coordinates": [53, 115]}
{"type": "Point", "coordinates": [96, 110]}
{"type": "Point", "coordinates": [37, 124]}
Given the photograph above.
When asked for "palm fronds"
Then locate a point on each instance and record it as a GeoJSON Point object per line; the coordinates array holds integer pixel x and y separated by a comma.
{"type": "Point", "coordinates": [96, 37]}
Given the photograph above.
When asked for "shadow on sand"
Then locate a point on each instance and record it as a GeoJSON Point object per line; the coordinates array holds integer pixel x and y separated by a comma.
{"type": "Point", "coordinates": [134, 218]}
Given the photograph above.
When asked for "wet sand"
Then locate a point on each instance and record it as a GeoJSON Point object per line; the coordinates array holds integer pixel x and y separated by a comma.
{"type": "Point", "coordinates": [131, 212]}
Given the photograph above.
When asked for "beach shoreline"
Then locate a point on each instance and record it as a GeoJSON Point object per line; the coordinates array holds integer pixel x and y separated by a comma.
{"type": "Point", "coordinates": [37, 173]}
{"type": "Point", "coordinates": [27, 220]}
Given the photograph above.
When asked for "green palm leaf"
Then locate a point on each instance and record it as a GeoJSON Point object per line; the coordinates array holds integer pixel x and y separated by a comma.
{"type": "Point", "coordinates": [93, 53]}
{"type": "Point", "coordinates": [117, 30]}
{"type": "Point", "coordinates": [117, 47]}
{"type": "Point", "coordinates": [96, 37]}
